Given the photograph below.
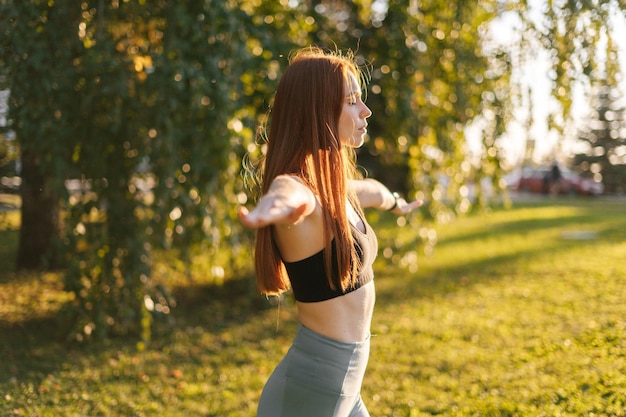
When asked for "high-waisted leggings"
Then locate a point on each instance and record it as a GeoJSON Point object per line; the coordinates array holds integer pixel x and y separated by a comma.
{"type": "Point", "coordinates": [319, 377]}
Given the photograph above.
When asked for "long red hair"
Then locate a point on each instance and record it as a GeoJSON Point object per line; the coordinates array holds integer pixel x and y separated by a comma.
{"type": "Point", "coordinates": [303, 141]}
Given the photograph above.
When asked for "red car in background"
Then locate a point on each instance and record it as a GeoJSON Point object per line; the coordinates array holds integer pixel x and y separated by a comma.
{"type": "Point", "coordinates": [540, 180]}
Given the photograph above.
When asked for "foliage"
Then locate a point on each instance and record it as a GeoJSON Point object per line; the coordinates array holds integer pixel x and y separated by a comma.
{"type": "Point", "coordinates": [605, 140]}
{"type": "Point", "coordinates": [8, 157]}
{"type": "Point", "coordinates": [135, 105]}
{"type": "Point", "coordinates": [36, 48]}
{"type": "Point", "coordinates": [511, 315]}
{"type": "Point", "coordinates": [580, 40]}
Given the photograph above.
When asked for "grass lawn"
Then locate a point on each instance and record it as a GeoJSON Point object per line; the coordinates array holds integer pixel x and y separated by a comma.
{"type": "Point", "coordinates": [518, 312]}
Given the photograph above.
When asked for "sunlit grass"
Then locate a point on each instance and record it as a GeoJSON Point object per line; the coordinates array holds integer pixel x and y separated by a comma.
{"type": "Point", "coordinates": [508, 318]}
{"type": "Point", "coordinates": [516, 313]}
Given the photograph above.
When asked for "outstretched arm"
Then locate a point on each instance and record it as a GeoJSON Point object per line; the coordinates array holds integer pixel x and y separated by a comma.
{"type": "Point", "coordinates": [372, 193]}
{"type": "Point", "coordinates": [287, 202]}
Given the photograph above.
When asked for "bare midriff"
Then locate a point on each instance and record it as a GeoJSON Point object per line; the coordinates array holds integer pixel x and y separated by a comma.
{"type": "Point", "coordinates": [346, 318]}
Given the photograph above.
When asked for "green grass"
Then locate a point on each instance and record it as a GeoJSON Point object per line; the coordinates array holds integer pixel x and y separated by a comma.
{"type": "Point", "coordinates": [515, 313]}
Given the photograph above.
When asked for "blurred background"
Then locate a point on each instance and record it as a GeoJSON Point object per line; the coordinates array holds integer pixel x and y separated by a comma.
{"type": "Point", "coordinates": [126, 126]}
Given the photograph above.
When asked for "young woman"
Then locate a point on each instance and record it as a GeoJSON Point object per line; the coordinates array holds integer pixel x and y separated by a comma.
{"type": "Point", "coordinates": [312, 235]}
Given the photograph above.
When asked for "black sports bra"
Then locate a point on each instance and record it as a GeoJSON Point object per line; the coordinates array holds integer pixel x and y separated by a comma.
{"type": "Point", "coordinates": [308, 276]}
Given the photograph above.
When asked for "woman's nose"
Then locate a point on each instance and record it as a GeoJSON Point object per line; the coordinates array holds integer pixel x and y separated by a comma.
{"type": "Point", "coordinates": [366, 112]}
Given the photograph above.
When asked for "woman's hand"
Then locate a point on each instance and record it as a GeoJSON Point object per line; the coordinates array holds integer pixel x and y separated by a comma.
{"type": "Point", "coordinates": [403, 207]}
{"type": "Point", "coordinates": [288, 202]}
{"type": "Point", "coordinates": [271, 211]}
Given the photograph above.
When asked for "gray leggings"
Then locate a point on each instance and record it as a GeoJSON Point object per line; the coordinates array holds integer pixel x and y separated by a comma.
{"type": "Point", "coordinates": [319, 377]}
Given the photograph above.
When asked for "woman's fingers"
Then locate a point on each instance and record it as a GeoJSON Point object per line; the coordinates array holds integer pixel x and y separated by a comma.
{"type": "Point", "coordinates": [260, 217]}
{"type": "Point", "coordinates": [404, 208]}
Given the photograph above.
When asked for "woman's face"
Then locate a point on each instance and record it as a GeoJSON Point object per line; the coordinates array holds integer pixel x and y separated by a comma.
{"type": "Point", "coordinates": [352, 121]}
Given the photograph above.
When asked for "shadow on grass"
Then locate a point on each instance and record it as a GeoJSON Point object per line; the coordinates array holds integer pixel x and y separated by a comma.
{"type": "Point", "coordinates": [540, 216]}
{"type": "Point", "coordinates": [33, 348]}
{"type": "Point", "coordinates": [606, 222]}
{"type": "Point", "coordinates": [30, 349]}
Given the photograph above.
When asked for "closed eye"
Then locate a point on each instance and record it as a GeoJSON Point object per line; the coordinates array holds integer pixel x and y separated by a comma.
{"type": "Point", "coordinates": [353, 99]}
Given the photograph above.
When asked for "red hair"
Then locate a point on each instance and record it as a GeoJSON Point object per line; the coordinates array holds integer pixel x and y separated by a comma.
{"type": "Point", "coordinates": [303, 141]}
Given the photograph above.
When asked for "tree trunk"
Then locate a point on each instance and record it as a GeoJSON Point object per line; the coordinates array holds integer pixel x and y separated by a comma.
{"type": "Point", "coordinates": [40, 217]}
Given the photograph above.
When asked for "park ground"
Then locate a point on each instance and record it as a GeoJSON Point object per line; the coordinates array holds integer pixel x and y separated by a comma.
{"type": "Point", "coordinates": [516, 312]}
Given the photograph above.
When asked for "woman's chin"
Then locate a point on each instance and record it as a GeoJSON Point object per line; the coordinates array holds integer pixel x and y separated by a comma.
{"type": "Point", "coordinates": [354, 142]}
